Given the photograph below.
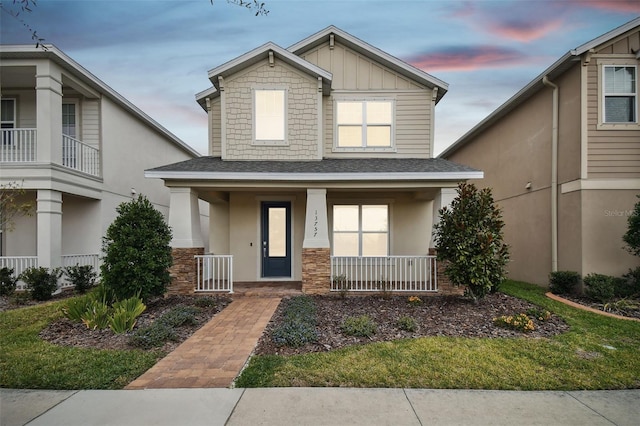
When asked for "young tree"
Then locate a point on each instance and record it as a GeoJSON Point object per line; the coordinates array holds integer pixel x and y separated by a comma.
{"type": "Point", "coordinates": [469, 237]}
{"type": "Point", "coordinates": [137, 255]}
{"type": "Point", "coordinates": [632, 236]}
{"type": "Point", "coordinates": [11, 206]}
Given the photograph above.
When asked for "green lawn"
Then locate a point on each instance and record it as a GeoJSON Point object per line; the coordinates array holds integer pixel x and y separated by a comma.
{"type": "Point", "coordinates": [27, 362]}
{"type": "Point", "coordinates": [597, 353]}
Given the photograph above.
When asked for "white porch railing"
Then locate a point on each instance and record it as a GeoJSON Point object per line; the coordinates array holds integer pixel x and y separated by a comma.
{"type": "Point", "coordinates": [386, 273]}
{"type": "Point", "coordinates": [20, 263]}
{"type": "Point", "coordinates": [215, 273]}
{"type": "Point", "coordinates": [81, 260]}
{"type": "Point", "coordinates": [79, 156]}
{"type": "Point", "coordinates": [18, 146]}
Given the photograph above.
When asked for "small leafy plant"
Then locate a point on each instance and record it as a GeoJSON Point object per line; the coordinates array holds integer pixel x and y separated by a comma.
{"type": "Point", "coordinates": [520, 322]}
{"type": "Point", "coordinates": [563, 282]}
{"type": "Point", "coordinates": [407, 324]}
{"type": "Point", "coordinates": [96, 317]}
{"type": "Point", "coordinates": [7, 282]}
{"type": "Point", "coordinates": [152, 336]}
{"type": "Point", "coordinates": [41, 282]}
{"type": "Point", "coordinates": [539, 314]}
{"type": "Point", "coordinates": [205, 302]}
{"type": "Point", "coordinates": [125, 314]}
{"type": "Point", "coordinates": [361, 326]}
{"type": "Point", "coordinates": [341, 284]}
{"type": "Point", "coordinates": [83, 277]}
{"type": "Point", "coordinates": [180, 315]}
{"type": "Point", "coordinates": [622, 306]}
{"type": "Point", "coordinates": [75, 308]}
{"type": "Point", "coordinates": [414, 301]}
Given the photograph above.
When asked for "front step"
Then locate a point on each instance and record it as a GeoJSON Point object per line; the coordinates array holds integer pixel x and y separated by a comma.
{"type": "Point", "coordinates": [268, 288]}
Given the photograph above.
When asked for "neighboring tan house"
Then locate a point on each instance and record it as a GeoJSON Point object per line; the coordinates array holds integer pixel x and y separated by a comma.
{"type": "Point", "coordinates": [78, 149]}
{"type": "Point", "coordinates": [563, 159]}
{"type": "Point", "coordinates": [321, 165]}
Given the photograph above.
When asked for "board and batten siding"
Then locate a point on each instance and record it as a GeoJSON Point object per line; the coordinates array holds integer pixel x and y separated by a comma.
{"type": "Point", "coordinates": [355, 75]}
{"type": "Point", "coordinates": [611, 153]}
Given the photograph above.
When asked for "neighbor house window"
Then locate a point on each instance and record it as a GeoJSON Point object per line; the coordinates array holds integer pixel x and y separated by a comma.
{"type": "Point", "coordinates": [620, 96]}
{"type": "Point", "coordinates": [364, 124]}
{"type": "Point", "coordinates": [8, 119]}
{"type": "Point", "coordinates": [361, 230]}
{"type": "Point", "coordinates": [269, 116]}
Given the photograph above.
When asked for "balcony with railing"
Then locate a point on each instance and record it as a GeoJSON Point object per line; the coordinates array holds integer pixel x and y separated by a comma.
{"type": "Point", "coordinates": [21, 146]}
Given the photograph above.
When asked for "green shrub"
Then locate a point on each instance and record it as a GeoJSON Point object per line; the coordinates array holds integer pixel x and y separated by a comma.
{"type": "Point", "coordinates": [600, 288]}
{"type": "Point", "coordinates": [469, 237]}
{"type": "Point", "coordinates": [40, 282]}
{"type": "Point", "coordinates": [97, 315]}
{"type": "Point", "coordinates": [180, 315]}
{"type": "Point", "coordinates": [407, 324]}
{"type": "Point", "coordinates": [563, 282]}
{"type": "Point", "coordinates": [137, 255]}
{"type": "Point", "coordinates": [125, 314]}
{"type": "Point", "coordinates": [294, 334]}
{"type": "Point", "coordinates": [152, 337]}
{"type": "Point", "coordinates": [205, 302]}
{"type": "Point", "coordinates": [362, 326]}
{"type": "Point", "coordinates": [75, 308]}
{"type": "Point", "coordinates": [7, 282]}
{"type": "Point", "coordinates": [300, 308]}
{"type": "Point", "coordinates": [632, 236]}
{"type": "Point", "coordinates": [629, 284]}
{"type": "Point", "coordinates": [83, 277]}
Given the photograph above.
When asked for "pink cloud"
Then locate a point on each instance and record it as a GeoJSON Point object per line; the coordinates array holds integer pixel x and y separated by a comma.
{"type": "Point", "coordinates": [613, 5]}
{"type": "Point", "coordinates": [523, 30]}
{"type": "Point", "coordinates": [464, 58]}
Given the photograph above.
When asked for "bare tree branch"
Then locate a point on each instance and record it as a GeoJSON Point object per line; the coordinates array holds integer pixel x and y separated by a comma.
{"type": "Point", "coordinates": [16, 9]}
{"type": "Point", "coordinates": [257, 6]}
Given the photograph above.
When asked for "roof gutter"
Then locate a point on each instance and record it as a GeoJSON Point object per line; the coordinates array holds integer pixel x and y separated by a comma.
{"type": "Point", "coordinates": [554, 174]}
{"type": "Point", "coordinates": [312, 177]}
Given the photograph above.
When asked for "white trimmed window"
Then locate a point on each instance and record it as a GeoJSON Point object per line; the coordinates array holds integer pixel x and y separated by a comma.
{"type": "Point", "coordinates": [620, 95]}
{"type": "Point", "coordinates": [269, 122]}
{"type": "Point", "coordinates": [69, 120]}
{"type": "Point", "coordinates": [8, 119]}
{"type": "Point", "coordinates": [361, 230]}
{"type": "Point", "coordinates": [364, 124]}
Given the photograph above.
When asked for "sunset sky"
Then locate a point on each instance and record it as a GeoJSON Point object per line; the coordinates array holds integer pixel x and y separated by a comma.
{"type": "Point", "coordinates": [157, 53]}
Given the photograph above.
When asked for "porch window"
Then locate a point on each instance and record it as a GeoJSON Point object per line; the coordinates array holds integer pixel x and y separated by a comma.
{"type": "Point", "coordinates": [364, 124]}
{"type": "Point", "coordinates": [269, 124]}
{"type": "Point", "coordinates": [7, 119]}
{"type": "Point", "coordinates": [361, 230]}
{"type": "Point", "coordinates": [620, 99]}
{"type": "Point", "coordinates": [69, 119]}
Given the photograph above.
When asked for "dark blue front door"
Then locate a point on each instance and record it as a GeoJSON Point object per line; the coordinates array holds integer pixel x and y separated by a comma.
{"type": "Point", "coordinates": [276, 239]}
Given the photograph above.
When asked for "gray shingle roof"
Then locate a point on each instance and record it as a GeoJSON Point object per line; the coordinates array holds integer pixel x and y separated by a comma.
{"type": "Point", "coordinates": [328, 166]}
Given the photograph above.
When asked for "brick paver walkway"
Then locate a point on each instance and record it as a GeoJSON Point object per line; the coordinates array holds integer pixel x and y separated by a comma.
{"type": "Point", "coordinates": [214, 355]}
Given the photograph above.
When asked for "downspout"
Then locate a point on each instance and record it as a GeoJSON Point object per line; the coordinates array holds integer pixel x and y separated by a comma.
{"type": "Point", "coordinates": [554, 175]}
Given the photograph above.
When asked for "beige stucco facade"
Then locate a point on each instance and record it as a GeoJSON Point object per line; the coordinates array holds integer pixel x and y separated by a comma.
{"type": "Point", "coordinates": [598, 165]}
{"type": "Point", "coordinates": [74, 204]}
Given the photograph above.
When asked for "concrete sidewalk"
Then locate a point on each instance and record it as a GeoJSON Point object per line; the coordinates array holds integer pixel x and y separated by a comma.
{"type": "Point", "coordinates": [317, 406]}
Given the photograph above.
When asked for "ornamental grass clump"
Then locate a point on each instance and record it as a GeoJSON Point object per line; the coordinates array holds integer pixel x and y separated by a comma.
{"type": "Point", "coordinates": [520, 322]}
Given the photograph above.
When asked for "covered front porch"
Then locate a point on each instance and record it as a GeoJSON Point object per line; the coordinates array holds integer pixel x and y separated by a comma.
{"type": "Point", "coordinates": [333, 232]}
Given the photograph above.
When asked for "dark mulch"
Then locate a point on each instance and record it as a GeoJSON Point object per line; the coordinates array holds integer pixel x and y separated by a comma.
{"type": "Point", "coordinates": [67, 333]}
{"type": "Point", "coordinates": [620, 308]}
{"type": "Point", "coordinates": [453, 316]}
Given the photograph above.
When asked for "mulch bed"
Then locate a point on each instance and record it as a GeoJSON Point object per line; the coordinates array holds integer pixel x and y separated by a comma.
{"type": "Point", "coordinates": [453, 316]}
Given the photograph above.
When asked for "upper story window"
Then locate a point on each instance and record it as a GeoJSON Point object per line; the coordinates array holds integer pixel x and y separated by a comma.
{"type": "Point", "coordinates": [7, 119]}
{"type": "Point", "coordinates": [361, 230]}
{"type": "Point", "coordinates": [69, 119]}
{"type": "Point", "coordinates": [364, 125]}
{"type": "Point", "coordinates": [620, 95]}
{"type": "Point", "coordinates": [270, 116]}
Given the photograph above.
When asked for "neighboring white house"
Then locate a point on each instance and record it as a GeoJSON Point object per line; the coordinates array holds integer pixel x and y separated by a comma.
{"type": "Point", "coordinates": [320, 165]}
{"type": "Point", "coordinates": [78, 149]}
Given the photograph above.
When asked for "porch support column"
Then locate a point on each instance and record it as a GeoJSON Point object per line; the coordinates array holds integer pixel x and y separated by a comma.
{"type": "Point", "coordinates": [443, 199]}
{"type": "Point", "coordinates": [316, 252]}
{"type": "Point", "coordinates": [49, 113]}
{"type": "Point", "coordinates": [49, 222]}
{"type": "Point", "coordinates": [184, 220]}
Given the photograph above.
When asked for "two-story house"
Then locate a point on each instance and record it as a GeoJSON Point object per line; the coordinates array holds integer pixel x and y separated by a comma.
{"type": "Point", "coordinates": [321, 166]}
{"type": "Point", "coordinates": [77, 149]}
{"type": "Point", "coordinates": [563, 159]}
